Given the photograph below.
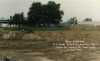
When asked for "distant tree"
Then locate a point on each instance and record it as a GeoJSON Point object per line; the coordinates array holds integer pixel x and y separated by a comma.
{"type": "Point", "coordinates": [17, 19]}
{"type": "Point", "coordinates": [73, 21]}
{"type": "Point", "coordinates": [44, 15]}
{"type": "Point", "coordinates": [11, 22]}
{"type": "Point", "coordinates": [88, 19]}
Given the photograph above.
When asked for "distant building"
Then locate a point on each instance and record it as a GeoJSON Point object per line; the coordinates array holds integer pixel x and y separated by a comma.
{"type": "Point", "coordinates": [4, 23]}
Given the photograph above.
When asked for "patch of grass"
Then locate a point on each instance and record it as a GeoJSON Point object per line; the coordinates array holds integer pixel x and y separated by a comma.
{"type": "Point", "coordinates": [30, 29]}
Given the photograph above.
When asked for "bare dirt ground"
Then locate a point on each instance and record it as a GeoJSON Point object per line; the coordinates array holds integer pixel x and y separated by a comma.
{"type": "Point", "coordinates": [33, 46]}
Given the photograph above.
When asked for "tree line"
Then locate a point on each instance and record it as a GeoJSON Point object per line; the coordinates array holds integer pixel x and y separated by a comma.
{"type": "Point", "coordinates": [39, 15]}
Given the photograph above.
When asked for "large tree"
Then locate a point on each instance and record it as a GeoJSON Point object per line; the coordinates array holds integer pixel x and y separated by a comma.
{"type": "Point", "coordinates": [34, 14]}
{"type": "Point", "coordinates": [44, 14]}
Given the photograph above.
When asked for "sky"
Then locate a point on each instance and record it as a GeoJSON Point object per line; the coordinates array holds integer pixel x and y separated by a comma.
{"type": "Point", "coordinates": [78, 8]}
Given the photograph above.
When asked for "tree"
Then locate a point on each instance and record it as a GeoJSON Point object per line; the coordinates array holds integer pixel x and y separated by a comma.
{"type": "Point", "coordinates": [11, 22]}
{"type": "Point", "coordinates": [88, 19]}
{"type": "Point", "coordinates": [34, 14]}
{"type": "Point", "coordinates": [44, 14]}
{"type": "Point", "coordinates": [17, 19]}
{"type": "Point", "coordinates": [73, 21]}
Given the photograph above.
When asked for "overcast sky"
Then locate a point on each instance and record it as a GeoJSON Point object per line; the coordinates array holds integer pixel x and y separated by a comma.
{"type": "Point", "coordinates": [78, 8]}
